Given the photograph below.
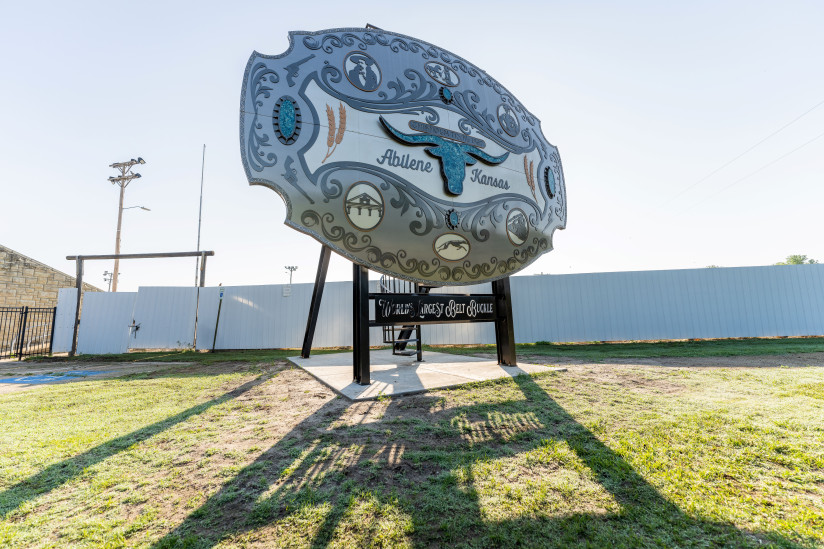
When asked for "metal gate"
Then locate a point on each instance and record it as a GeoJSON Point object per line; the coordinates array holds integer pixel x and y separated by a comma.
{"type": "Point", "coordinates": [26, 331]}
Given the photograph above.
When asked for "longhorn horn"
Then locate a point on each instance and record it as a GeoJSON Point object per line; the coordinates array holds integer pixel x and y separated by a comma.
{"type": "Point", "coordinates": [489, 159]}
{"type": "Point", "coordinates": [416, 139]}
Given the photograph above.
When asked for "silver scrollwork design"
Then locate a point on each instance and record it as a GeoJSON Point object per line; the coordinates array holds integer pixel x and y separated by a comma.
{"type": "Point", "coordinates": [257, 140]}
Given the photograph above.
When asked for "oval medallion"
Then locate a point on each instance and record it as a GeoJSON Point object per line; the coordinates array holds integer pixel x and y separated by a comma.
{"type": "Point", "coordinates": [364, 206]}
{"type": "Point", "coordinates": [286, 120]}
{"type": "Point", "coordinates": [442, 74]}
{"type": "Point", "coordinates": [362, 71]}
{"type": "Point", "coordinates": [517, 226]}
{"type": "Point", "coordinates": [549, 182]}
{"type": "Point", "coordinates": [451, 246]}
{"type": "Point", "coordinates": [508, 119]}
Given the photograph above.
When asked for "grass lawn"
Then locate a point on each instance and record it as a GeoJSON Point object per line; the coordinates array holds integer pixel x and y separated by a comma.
{"type": "Point", "coordinates": [657, 349]}
{"type": "Point", "coordinates": [586, 351]}
{"type": "Point", "coordinates": [253, 356]}
{"type": "Point", "coordinates": [255, 453]}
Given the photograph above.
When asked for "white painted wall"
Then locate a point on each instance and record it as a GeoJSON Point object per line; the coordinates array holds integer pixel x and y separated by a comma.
{"type": "Point", "coordinates": [677, 304]}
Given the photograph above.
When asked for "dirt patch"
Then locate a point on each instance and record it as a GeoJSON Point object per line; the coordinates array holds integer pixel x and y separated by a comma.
{"type": "Point", "coordinates": [651, 385]}
{"type": "Point", "coordinates": [288, 405]}
{"type": "Point", "coordinates": [299, 433]}
{"type": "Point", "coordinates": [638, 380]}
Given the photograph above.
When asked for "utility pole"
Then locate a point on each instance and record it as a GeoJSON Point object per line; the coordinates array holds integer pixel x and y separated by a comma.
{"type": "Point", "coordinates": [291, 269]}
{"type": "Point", "coordinates": [122, 180]}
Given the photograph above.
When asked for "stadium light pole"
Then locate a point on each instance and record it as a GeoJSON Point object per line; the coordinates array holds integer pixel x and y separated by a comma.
{"type": "Point", "coordinates": [122, 181]}
{"type": "Point", "coordinates": [291, 269]}
{"type": "Point", "coordinates": [107, 277]}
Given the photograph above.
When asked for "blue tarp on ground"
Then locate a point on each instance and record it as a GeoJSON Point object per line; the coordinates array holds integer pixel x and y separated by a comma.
{"type": "Point", "coordinates": [48, 378]}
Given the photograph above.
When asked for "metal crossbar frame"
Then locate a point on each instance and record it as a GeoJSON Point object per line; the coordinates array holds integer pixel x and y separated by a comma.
{"type": "Point", "coordinates": [80, 259]}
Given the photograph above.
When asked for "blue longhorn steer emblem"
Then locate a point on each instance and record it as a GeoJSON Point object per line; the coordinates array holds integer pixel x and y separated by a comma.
{"type": "Point", "coordinates": [454, 157]}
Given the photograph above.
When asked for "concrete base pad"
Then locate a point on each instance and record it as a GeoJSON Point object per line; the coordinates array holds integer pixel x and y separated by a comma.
{"type": "Point", "coordinates": [402, 375]}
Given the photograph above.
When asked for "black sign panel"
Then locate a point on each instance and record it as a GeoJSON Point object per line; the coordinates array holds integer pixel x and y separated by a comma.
{"type": "Point", "coordinates": [433, 309]}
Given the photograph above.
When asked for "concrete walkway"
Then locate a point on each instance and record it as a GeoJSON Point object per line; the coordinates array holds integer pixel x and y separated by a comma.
{"type": "Point", "coordinates": [402, 375]}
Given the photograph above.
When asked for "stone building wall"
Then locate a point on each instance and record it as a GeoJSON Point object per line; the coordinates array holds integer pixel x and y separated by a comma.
{"type": "Point", "coordinates": [24, 281]}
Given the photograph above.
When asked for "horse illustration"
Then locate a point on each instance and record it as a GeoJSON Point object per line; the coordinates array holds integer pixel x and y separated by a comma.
{"type": "Point", "coordinates": [457, 244]}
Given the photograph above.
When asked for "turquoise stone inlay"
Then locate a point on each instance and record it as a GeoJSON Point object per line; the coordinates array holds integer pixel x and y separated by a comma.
{"type": "Point", "coordinates": [446, 95]}
{"type": "Point", "coordinates": [286, 118]}
{"type": "Point", "coordinates": [549, 179]}
{"type": "Point", "coordinates": [454, 157]}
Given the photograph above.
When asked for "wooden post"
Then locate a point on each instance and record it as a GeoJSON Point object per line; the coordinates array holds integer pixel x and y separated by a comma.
{"type": "Point", "coordinates": [314, 305]}
{"type": "Point", "coordinates": [203, 270]}
{"type": "Point", "coordinates": [78, 264]}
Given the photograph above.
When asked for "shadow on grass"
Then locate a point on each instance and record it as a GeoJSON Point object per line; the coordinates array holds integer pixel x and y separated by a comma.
{"type": "Point", "coordinates": [57, 474]}
{"type": "Point", "coordinates": [316, 485]}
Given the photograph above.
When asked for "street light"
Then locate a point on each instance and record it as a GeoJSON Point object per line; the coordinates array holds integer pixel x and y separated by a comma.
{"type": "Point", "coordinates": [122, 180]}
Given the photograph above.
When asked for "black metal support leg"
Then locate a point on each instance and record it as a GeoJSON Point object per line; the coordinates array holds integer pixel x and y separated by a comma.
{"type": "Point", "coordinates": [420, 342]}
{"type": "Point", "coordinates": [418, 331]}
{"type": "Point", "coordinates": [360, 324]}
{"type": "Point", "coordinates": [504, 327]}
{"type": "Point", "coordinates": [314, 306]}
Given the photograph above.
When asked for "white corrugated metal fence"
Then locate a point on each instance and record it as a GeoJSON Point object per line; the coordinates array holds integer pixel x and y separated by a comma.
{"type": "Point", "coordinates": [675, 304]}
{"type": "Point", "coordinates": [104, 322]}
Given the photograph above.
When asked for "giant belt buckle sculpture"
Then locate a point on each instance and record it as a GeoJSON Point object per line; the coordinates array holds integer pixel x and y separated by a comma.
{"type": "Point", "coordinates": [401, 156]}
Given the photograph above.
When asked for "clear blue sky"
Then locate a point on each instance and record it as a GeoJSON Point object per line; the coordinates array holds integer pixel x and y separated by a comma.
{"type": "Point", "coordinates": [643, 99]}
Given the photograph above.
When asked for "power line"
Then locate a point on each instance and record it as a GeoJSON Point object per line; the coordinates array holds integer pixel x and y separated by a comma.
{"type": "Point", "coordinates": [715, 171]}
{"type": "Point", "coordinates": [767, 165]}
